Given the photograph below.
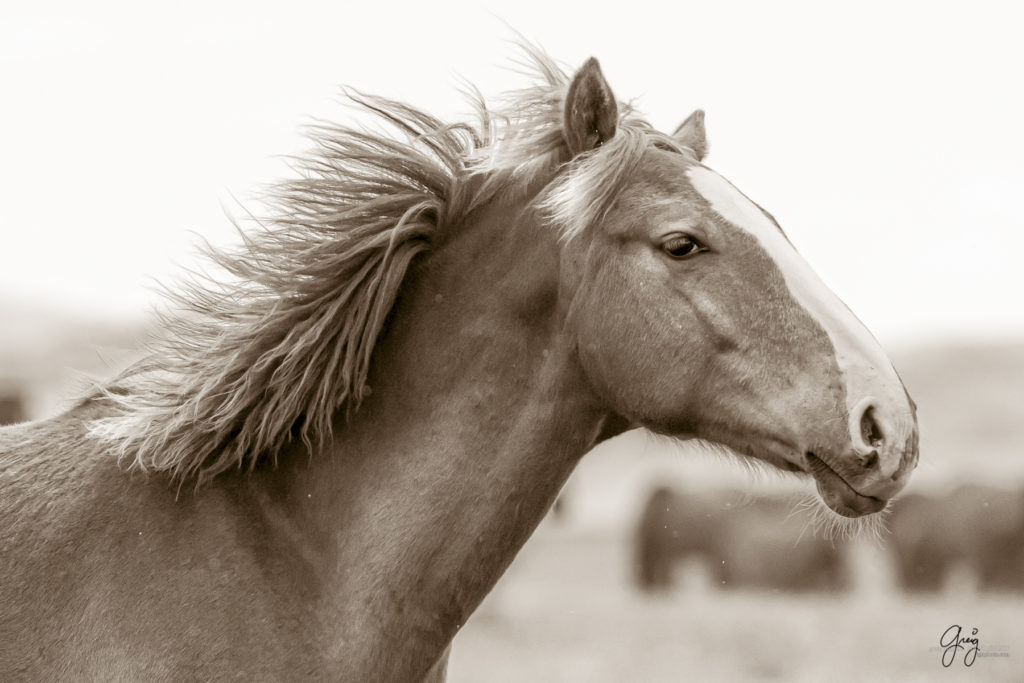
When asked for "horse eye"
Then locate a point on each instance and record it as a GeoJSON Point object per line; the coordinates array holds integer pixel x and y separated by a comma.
{"type": "Point", "coordinates": [681, 246]}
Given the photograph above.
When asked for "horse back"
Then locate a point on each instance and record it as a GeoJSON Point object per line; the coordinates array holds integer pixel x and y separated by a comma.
{"type": "Point", "coordinates": [109, 575]}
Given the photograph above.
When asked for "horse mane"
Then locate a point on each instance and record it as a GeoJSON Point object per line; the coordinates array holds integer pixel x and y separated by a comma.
{"type": "Point", "coordinates": [246, 365]}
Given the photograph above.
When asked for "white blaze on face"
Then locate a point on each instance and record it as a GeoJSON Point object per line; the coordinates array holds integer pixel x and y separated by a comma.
{"type": "Point", "coordinates": [867, 372]}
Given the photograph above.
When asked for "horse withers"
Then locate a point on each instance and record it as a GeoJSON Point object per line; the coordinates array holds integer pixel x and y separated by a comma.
{"type": "Point", "coordinates": [332, 455]}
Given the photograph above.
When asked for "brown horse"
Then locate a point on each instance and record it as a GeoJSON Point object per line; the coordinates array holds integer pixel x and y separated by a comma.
{"type": "Point", "coordinates": [742, 540]}
{"type": "Point", "coordinates": [973, 527]}
{"type": "Point", "coordinates": [334, 454]}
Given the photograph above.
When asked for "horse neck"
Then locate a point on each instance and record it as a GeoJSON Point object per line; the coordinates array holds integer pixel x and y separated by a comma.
{"type": "Point", "coordinates": [477, 414]}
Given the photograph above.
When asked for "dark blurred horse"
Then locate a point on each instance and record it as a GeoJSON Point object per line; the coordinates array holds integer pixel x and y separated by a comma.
{"type": "Point", "coordinates": [742, 541]}
{"type": "Point", "coordinates": [12, 409]}
{"type": "Point", "coordinates": [977, 528]}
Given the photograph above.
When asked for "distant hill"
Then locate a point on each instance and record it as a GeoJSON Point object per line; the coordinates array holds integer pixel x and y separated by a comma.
{"type": "Point", "coordinates": [970, 401]}
{"type": "Point", "coordinates": [970, 396]}
{"type": "Point", "coordinates": [48, 355]}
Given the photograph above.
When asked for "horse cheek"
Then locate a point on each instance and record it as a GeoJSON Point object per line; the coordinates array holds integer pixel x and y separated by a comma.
{"type": "Point", "coordinates": [626, 348]}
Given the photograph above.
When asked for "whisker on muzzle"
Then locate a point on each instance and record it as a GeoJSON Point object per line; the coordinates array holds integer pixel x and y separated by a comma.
{"type": "Point", "coordinates": [834, 527]}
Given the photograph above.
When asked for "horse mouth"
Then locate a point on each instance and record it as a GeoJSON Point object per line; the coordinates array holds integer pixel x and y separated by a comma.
{"type": "Point", "coordinates": [839, 496]}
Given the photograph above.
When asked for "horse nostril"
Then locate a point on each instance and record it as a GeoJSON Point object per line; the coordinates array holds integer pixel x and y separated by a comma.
{"type": "Point", "coordinates": [869, 429]}
{"type": "Point", "coordinates": [870, 460]}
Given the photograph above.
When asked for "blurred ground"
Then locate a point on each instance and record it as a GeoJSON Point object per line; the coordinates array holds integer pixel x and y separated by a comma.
{"type": "Point", "coordinates": [565, 612]}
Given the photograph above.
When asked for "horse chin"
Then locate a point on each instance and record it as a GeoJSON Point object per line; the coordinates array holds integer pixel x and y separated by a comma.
{"type": "Point", "coordinates": [839, 496]}
{"type": "Point", "coordinates": [833, 490]}
{"type": "Point", "coordinates": [769, 456]}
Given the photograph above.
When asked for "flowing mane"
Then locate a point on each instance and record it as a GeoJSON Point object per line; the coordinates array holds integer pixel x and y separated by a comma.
{"type": "Point", "coordinates": [244, 367]}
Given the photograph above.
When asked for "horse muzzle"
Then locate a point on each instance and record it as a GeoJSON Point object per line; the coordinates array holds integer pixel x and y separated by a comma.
{"type": "Point", "coordinates": [874, 466]}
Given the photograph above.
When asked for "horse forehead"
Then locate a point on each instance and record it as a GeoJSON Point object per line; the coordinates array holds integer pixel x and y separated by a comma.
{"type": "Point", "coordinates": [667, 173]}
{"type": "Point", "coordinates": [662, 187]}
{"type": "Point", "coordinates": [739, 212]}
{"type": "Point", "coordinates": [854, 346]}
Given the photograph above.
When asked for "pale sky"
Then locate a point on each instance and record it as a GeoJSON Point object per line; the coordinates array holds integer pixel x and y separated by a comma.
{"type": "Point", "coordinates": [887, 139]}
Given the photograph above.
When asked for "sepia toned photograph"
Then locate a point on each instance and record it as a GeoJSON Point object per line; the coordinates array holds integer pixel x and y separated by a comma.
{"type": "Point", "coordinates": [494, 343]}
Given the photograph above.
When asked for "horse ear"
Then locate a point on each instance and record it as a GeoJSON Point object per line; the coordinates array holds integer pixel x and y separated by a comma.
{"type": "Point", "coordinates": [590, 114]}
{"type": "Point", "coordinates": [690, 133]}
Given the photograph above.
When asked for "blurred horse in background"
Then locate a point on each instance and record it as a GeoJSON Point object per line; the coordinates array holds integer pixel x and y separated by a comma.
{"type": "Point", "coordinates": [740, 540]}
{"type": "Point", "coordinates": [975, 529]}
{"type": "Point", "coordinates": [332, 454]}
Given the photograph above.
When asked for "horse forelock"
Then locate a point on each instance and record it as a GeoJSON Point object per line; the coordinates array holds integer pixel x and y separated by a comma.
{"type": "Point", "coordinates": [245, 365]}
{"type": "Point", "coordinates": [527, 141]}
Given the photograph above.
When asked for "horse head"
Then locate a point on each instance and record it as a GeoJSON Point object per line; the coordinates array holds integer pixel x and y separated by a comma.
{"type": "Point", "coordinates": [695, 316]}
